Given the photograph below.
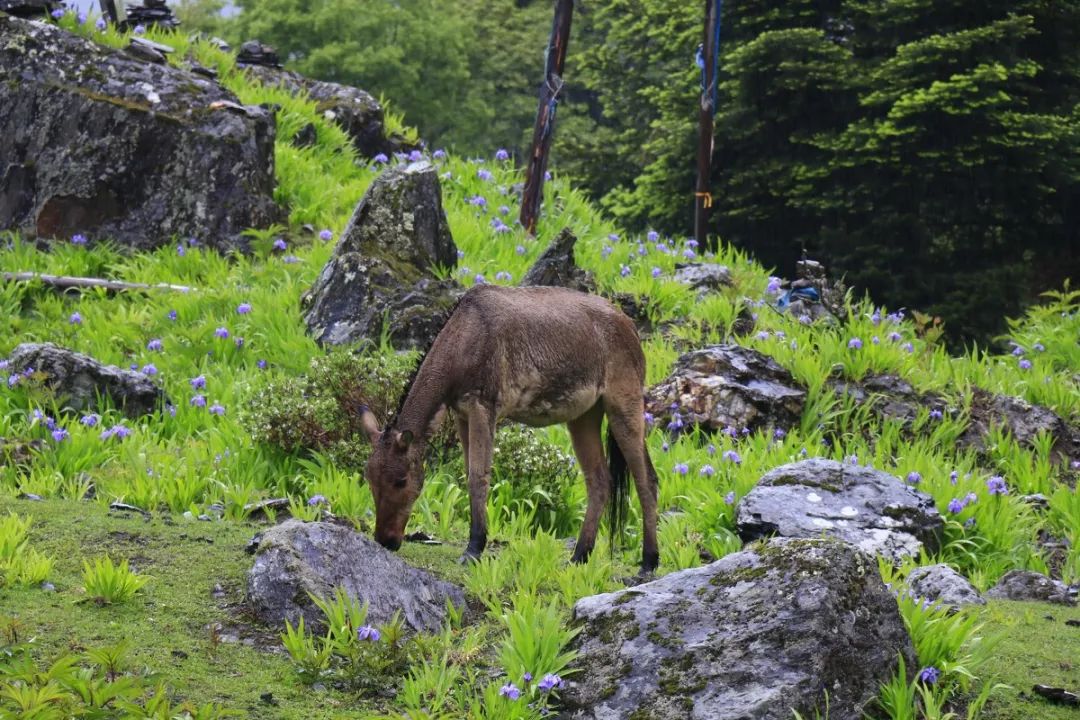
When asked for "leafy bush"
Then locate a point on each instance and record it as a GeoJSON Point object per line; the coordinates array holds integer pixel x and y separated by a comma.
{"type": "Point", "coordinates": [106, 583]}
{"type": "Point", "coordinates": [320, 411]}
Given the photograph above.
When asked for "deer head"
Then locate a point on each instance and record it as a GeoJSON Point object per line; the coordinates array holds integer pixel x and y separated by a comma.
{"type": "Point", "coordinates": [395, 474]}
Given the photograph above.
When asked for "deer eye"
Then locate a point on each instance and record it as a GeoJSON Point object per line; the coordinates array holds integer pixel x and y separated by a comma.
{"type": "Point", "coordinates": [399, 483]}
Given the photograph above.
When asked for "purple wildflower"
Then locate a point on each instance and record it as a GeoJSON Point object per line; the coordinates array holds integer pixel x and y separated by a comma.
{"type": "Point", "coordinates": [936, 414]}
{"type": "Point", "coordinates": [243, 308]}
{"type": "Point", "coordinates": [953, 476]}
{"type": "Point", "coordinates": [198, 401]}
{"type": "Point", "coordinates": [908, 347]}
{"type": "Point", "coordinates": [479, 279]}
{"type": "Point", "coordinates": [60, 434]}
{"type": "Point", "coordinates": [261, 364]}
{"type": "Point", "coordinates": [1018, 350]}
{"type": "Point", "coordinates": [510, 691]}
{"type": "Point", "coordinates": [1038, 347]}
{"type": "Point", "coordinates": [550, 682]}
{"type": "Point", "coordinates": [75, 319]}
{"type": "Point", "coordinates": [656, 272]}
{"type": "Point", "coordinates": [730, 498]}
{"type": "Point", "coordinates": [520, 249]}
{"type": "Point", "coordinates": [478, 200]}
{"type": "Point", "coordinates": [503, 275]}
{"type": "Point", "coordinates": [956, 506]}
{"type": "Point", "coordinates": [996, 485]}
{"type": "Point", "coordinates": [279, 244]}
{"type": "Point", "coordinates": [89, 420]}
{"type": "Point", "coordinates": [139, 30]}
{"type": "Point", "coordinates": [681, 468]}
{"type": "Point", "coordinates": [732, 456]}
{"type": "Point", "coordinates": [895, 336]}
{"type": "Point", "coordinates": [1025, 364]}
{"type": "Point", "coordinates": [914, 477]}
{"type": "Point", "coordinates": [649, 419]}
{"type": "Point", "coordinates": [380, 159]}
{"type": "Point", "coordinates": [58, 13]}
{"type": "Point", "coordinates": [854, 343]}
{"type": "Point", "coordinates": [779, 434]}
{"type": "Point", "coordinates": [198, 382]}
{"type": "Point", "coordinates": [172, 315]}
{"type": "Point", "coordinates": [501, 155]}
{"type": "Point", "coordinates": [368, 634]}
{"type": "Point", "coordinates": [100, 24]}
{"type": "Point", "coordinates": [217, 409]}
{"type": "Point", "coordinates": [774, 286]}
{"type": "Point", "coordinates": [155, 345]}
{"type": "Point", "coordinates": [652, 236]}
{"type": "Point", "coordinates": [290, 259]}
{"type": "Point", "coordinates": [711, 449]}
{"type": "Point", "coordinates": [805, 319]}
{"type": "Point", "coordinates": [971, 498]}
{"type": "Point", "coordinates": [416, 156]}
{"type": "Point", "coordinates": [221, 333]}
{"type": "Point", "coordinates": [149, 369]}
{"type": "Point", "coordinates": [929, 675]}
{"type": "Point", "coordinates": [180, 250]}
{"type": "Point", "coordinates": [707, 470]}
{"type": "Point", "coordinates": [624, 270]}
{"type": "Point", "coordinates": [238, 342]}
{"type": "Point", "coordinates": [876, 317]}
{"type": "Point", "coordinates": [317, 500]}
{"type": "Point", "coordinates": [78, 239]}
{"type": "Point", "coordinates": [484, 174]}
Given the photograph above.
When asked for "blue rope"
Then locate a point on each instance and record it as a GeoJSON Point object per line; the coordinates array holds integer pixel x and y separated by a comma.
{"type": "Point", "coordinates": [699, 60]}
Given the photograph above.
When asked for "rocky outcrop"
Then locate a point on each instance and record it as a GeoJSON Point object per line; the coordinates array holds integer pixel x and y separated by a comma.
{"type": "Point", "coordinates": [78, 381]}
{"type": "Point", "coordinates": [942, 585]}
{"type": "Point", "coordinates": [1030, 585]}
{"type": "Point", "coordinates": [868, 508]}
{"type": "Point", "coordinates": [727, 386]}
{"type": "Point", "coordinates": [556, 266]}
{"type": "Point", "coordinates": [894, 398]}
{"type": "Point", "coordinates": [296, 558]}
{"type": "Point", "coordinates": [355, 111]}
{"type": "Point", "coordinates": [1023, 420]}
{"type": "Point", "coordinates": [380, 269]}
{"type": "Point", "coordinates": [101, 144]}
{"type": "Point", "coordinates": [754, 636]}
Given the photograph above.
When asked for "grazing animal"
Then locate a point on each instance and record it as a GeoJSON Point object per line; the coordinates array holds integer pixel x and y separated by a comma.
{"type": "Point", "coordinates": [539, 356]}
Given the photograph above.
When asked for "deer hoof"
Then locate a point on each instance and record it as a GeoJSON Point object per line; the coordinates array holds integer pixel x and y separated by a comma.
{"type": "Point", "coordinates": [468, 558]}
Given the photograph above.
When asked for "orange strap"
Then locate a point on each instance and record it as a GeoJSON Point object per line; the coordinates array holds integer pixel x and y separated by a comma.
{"type": "Point", "coordinates": [707, 196]}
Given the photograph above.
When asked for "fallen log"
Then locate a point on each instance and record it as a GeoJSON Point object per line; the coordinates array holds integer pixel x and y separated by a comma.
{"type": "Point", "coordinates": [66, 282]}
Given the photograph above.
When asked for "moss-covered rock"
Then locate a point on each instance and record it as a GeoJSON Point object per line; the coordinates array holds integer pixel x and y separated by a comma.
{"type": "Point", "coordinates": [755, 635]}
{"type": "Point", "coordinates": [99, 143]}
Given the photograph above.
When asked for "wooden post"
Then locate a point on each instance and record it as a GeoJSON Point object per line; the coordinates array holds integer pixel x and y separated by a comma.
{"type": "Point", "coordinates": [533, 193]}
{"type": "Point", "coordinates": [702, 197]}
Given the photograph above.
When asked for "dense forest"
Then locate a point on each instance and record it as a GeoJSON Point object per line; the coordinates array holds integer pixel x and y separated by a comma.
{"type": "Point", "coordinates": [928, 150]}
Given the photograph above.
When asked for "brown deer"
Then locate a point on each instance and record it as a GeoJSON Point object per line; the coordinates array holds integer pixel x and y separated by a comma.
{"type": "Point", "coordinates": [535, 355]}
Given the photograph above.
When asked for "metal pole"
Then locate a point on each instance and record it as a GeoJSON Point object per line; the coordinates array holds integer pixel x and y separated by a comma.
{"type": "Point", "coordinates": [533, 193]}
{"type": "Point", "coordinates": [707, 59]}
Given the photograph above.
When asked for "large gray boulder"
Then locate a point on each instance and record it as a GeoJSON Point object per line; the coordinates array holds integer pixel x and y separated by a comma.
{"type": "Point", "coordinates": [727, 386]}
{"type": "Point", "coordinates": [942, 585]}
{"type": "Point", "coordinates": [753, 636]}
{"type": "Point", "coordinates": [354, 110]}
{"type": "Point", "coordinates": [381, 268]}
{"type": "Point", "coordinates": [1030, 585]}
{"type": "Point", "coordinates": [78, 381]}
{"type": "Point", "coordinates": [296, 558]}
{"type": "Point", "coordinates": [99, 143]}
{"type": "Point", "coordinates": [704, 277]}
{"type": "Point", "coordinates": [869, 508]}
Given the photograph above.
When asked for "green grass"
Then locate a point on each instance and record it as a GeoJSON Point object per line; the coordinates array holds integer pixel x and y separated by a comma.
{"type": "Point", "coordinates": [1033, 650]}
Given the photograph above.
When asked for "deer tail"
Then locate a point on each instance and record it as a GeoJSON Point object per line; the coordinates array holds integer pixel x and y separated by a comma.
{"type": "Point", "coordinates": [619, 498]}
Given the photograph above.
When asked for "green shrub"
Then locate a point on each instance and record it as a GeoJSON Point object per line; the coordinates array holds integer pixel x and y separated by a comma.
{"type": "Point", "coordinates": [19, 563]}
{"type": "Point", "coordinates": [320, 411]}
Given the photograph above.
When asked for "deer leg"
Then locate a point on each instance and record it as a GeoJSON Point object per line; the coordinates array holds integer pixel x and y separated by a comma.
{"type": "Point", "coordinates": [480, 422]}
{"type": "Point", "coordinates": [462, 424]}
{"type": "Point", "coordinates": [585, 436]}
{"type": "Point", "coordinates": [627, 425]}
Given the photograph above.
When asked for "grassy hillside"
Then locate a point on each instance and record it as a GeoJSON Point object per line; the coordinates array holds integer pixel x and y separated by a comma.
{"type": "Point", "coordinates": [238, 332]}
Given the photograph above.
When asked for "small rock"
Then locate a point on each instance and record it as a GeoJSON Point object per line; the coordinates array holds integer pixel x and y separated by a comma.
{"type": "Point", "coordinates": [869, 508]}
{"type": "Point", "coordinates": [296, 560]}
{"type": "Point", "coordinates": [48, 587]}
{"type": "Point", "coordinates": [205, 518]}
{"type": "Point", "coordinates": [1038, 501]}
{"type": "Point", "coordinates": [217, 591]}
{"type": "Point", "coordinates": [556, 266]}
{"type": "Point", "coordinates": [30, 496]}
{"type": "Point", "coordinates": [704, 277]}
{"type": "Point", "coordinates": [943, 585]}
{"type": "Point", "coordinates": [1030, 585]}
{"type": "Point", "coordinates": [79, 380]}
{"type": "Point", "coordinates": [727, 386]}
{"type": "Point", "coordinates": [305, 136]}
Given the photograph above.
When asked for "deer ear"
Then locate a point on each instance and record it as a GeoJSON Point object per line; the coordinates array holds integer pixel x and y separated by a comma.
{"type": "Point", "coordinates": [369, 424]}
{"type": "Point", "coordinates": [403, 440]}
